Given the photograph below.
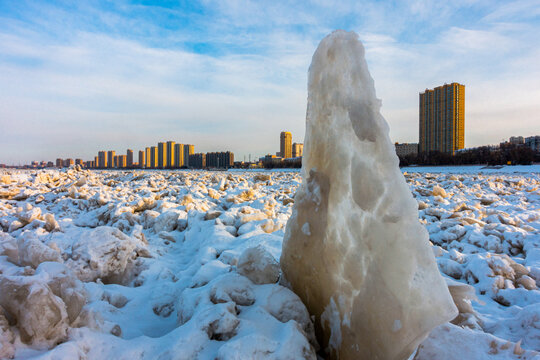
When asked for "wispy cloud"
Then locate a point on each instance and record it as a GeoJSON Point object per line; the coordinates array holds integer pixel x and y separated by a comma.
{"type": "Point", "coordinates": [79, 77]}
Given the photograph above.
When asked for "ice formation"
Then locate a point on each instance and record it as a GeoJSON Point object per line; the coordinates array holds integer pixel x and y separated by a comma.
{"type": "Point", "coordinates": [103, 253]}
{"type": "Point", "coordinates": [44, 304]}
{"type": "Point", "coordinates": [353, 249]}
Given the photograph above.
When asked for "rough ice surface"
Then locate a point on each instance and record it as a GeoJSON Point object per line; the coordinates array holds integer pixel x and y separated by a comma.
{"type": "Point", "coordinates": [147, 265]}
{"type": "Point", "coordinates": [353, 249]}
{"type": "Point", "coordinates": [181, 294]}
{"type": "Point", "coordinates": [104, 253]}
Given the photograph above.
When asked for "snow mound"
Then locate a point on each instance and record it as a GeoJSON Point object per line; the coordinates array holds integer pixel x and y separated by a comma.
{"type": "Point", "coordinates": [33, 252]}
{"type": "Point", "coordinates": [104, 253]}
{"type": "Point", "coordinates": [259, 266]}
{"type": "Point", "coordinates": [450, 342]}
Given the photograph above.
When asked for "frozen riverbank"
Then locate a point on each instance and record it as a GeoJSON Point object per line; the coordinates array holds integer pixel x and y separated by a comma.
{"type": "Point", "coordinates": [184, 264]}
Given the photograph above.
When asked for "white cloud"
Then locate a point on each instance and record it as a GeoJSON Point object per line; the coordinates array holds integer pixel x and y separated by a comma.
{"type": "Point", "coordinates": [86, 90]}
{"type": "Point", "coordinates": [108, 93]}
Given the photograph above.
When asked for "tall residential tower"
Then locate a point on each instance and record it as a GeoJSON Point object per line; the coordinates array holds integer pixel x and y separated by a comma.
{"type": "Point", "coordinates": [170, 155]}
{"type": "Point", "coordinates": [129, 158]}
{"type": "Point", "coordinates": [142, 160]}
{"type": "Point", "coordinates": [178, 155]}
{"type": "Point", "coordinates": [162, 155]}
{"type": "Point", "coordinates": [442, 119]}
{"type": "Point", "coordinates": [285, 143]}
{"type": "Point", "coordinates": [188, 150]}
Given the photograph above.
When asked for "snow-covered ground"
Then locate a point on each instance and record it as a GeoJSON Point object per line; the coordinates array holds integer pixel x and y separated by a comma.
{"type": "Point", "coordinates": [185, 264]}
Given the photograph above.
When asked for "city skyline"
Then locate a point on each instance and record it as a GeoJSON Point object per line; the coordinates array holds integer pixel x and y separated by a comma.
{"type": "Point", "coordinates": [215, 159]}
{"type": "Point", "coordinates": [77, 77]}
{"type": "Point", "coordinates": [166, 155]}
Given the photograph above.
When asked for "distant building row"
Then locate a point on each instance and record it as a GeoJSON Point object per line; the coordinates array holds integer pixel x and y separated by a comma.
{"type": "Point", "coordinates": [192, 161]}
{"type": "Point", "coordinates": [211, 160]}
{"type": "Point", "coordinates": [66, 162]}
{"type": "Point", "coordinates": [166, 155]}
{"type": "Point", "coordinates": [532, 141]}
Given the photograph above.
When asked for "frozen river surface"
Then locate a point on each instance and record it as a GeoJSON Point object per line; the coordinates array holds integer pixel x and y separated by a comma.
{"type": "Point", "coordinates": [185, 264]}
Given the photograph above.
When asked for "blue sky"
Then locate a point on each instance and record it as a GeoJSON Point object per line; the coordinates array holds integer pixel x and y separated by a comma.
{"type": "Point", "coordinates": [80, 76]}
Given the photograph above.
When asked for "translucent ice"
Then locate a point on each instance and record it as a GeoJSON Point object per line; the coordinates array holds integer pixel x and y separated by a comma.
{"type": "Point", "coordinates": [353, 249]}
{"type": "Point", "coordinates": [42, 305]}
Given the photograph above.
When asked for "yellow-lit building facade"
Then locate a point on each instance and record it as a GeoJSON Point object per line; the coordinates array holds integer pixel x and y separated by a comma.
{"type": "Point", "coordinates": [111, 155]}
{"type": "Point", "coordinates": [442, 119]}
{"type": "Point", "coordinates": [178, 155]}
{"type": "Point", "coordinates": [129, 157]}
{"type": "Point", "coordinates": [153, 157]}
{"type": "Point", "coordinates": [102, 159]}
{"type": "Point", "coordinates": [297, 150]}
{"type": "Point", "coordinates": [285, 144]}
{"type": "Point", "coordinates": [147, 158]}
{"type": "Point", "coordinates": [188, 150]}
{"type": "Point", "coordinates": [162, 155]}
{"type": "Point", "coordinates": [121, 161]}
{"type": "Point", "coordinates": [170, 155]}
{"type": "Point", "coordinates": [142, 158]}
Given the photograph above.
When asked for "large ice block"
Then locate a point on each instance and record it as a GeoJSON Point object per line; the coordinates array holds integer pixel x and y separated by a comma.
{"type": "Point", "coordinates": [354, 250]}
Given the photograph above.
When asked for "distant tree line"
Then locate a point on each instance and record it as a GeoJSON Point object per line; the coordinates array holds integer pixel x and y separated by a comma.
{"type": "Point", "coordinates": [502, 155]}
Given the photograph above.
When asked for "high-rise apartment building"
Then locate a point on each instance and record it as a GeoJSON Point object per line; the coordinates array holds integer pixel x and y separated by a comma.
{"type": "Point", "coordinates": [110, 158]}
{"type": "Point", "coordinates": [142, 162]}
{"type": "Point", "coordinates": [162, 155]}
{"type": "Point", "coordinates": [59, 163]}
{"type": "Point", "coordinates": [147, 157]}
{"type": "Point", "coordinates": [153, 157]}
{"type": "Point", "coordinates": [442, 119]}
{"type": "Point", "coordinates": [170, 155]}
{"type": "Point", "coordinates": [285, 145]}
{"type": "Point", "coordinates": [178, 155]}
{"type": "Point", "coordinates": [121, 161]}
{"type": "Point", "coordinates": [102, 159]}
{"type": "Point", "coordinates": [188, 150]}
{"type": "Point", "coordinates": [297, 150]}
{"type": "Point", "coordinates": [129, 157]}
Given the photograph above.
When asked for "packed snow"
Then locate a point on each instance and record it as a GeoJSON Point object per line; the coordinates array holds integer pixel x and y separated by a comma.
{"type": "Point", "coordinates": [185, 264]}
